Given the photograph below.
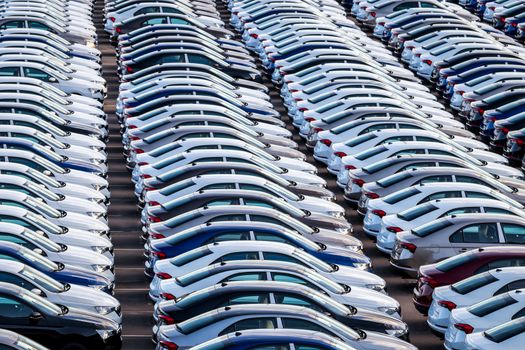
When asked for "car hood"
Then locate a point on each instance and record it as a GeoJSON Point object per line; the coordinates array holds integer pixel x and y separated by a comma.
{"type": "Point", "coordinates": [89, 319]}
{"type": "Point", "coordinates": [374, 341]}
{"type": "Point", "coordinates": [87, 296]}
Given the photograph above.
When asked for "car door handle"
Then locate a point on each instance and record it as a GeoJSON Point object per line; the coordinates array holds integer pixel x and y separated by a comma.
{"type": "Point", "coordinates": [462, 250]}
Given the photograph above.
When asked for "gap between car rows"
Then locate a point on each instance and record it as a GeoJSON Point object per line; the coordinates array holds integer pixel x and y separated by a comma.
{"type": "Point", "coordinates": [124, 218]}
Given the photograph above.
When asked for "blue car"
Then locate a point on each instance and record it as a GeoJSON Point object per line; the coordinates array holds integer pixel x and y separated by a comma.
{"type": "Point", "coordinates": [198, 236]}
{"type": "Point", "coordinates": [476, 119]}
{"type": "Point", "coordinates": [511, 24]}
{"type": "Point", "coordinates": [55, 158]}
{"type": "Point", "coordinates": [272, 339]}
{"type": "Point", "coordinates": [56, 270]}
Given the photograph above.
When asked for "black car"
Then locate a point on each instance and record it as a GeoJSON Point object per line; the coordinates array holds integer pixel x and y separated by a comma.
{"type": "Point", "coordinates": [270, 292]}
{"type": "Point", "coordinates": [503, 127]}
{"type": "Point", "coordinates": [55, 326]}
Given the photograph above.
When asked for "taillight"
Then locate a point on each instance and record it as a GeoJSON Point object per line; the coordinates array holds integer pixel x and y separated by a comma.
{"type": "Point", "coordinates": [358, 182]}
{"type": "Point", "coordinates": [144, 176]}
{"type": "Point", "coordinates": [138, 150]}
{"type": "Point", "coordinates": [168, 345]}
{"type": "Point", "coordinates": [504, 130]}
{"type": "Point", "coordinates": [134, 138]}
{"type": "Point", "coordinates": [349, 167]}
{"type": "Point", "coordinates": [340, 154]}
{"type": "Point", "coordinates": [112, 19]}
{"type": "Point", "coordinates": [129, 69]}
{"type": "Point", "coordinates": [379, 212]}
{"type": "Point", "coordinates": [464, 327]}
{"type": "Point", "coordinates": [408, 246]}
{"type": "Point", "coordinates": [167, 319]}
{"type": "Point", "coordinates": [302, 109]}
{"type": "Point", "coordinates": [157, 236]}
{"type": "Point", "coordinates": [430, 281]}
{"type": "Point", "coordinates": [118, 30]}
{"type": "Point", "coordinates": [316, 130]}
{"type": "Point", "coordinates": [153, 203]}
{"type": "Point", "coordinates": [480, 110]}
{"type": "Point", "coordinates": [371, 195]}
{"type": "Point", "coordinates": [255, 36]}
{"type": "Point", "coordinates": [155, 219]}
{"type": "Point", "coordinates": [163, 275]}
{"type": "Point", "coordinates": [373, 14]}
{"type": "Point", "coordinates": [309, 119]}
{"type": "Point", "coordinates": [447, 304]}
{"type": "Point", "coordinates": [326, 142]}
{"type": "Point", "coordinates": [167, 296]}
{"type": "Point", "coordinates": [159, 255]}
{"type": "Point", "coordinates": [394, 229]}
{"type": "Point", "coordinates": [460, 92]}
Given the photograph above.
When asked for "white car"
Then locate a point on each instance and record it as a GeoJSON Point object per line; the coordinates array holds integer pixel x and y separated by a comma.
{"type": "Point", "coordinates": [375, 209]}
{"type": "Point", "coordinates": [470, 291]}
{"type": "Point", "coordinates": [510, 335]}
{"type": "Point", "coordinates": [324, 277]}
{"type": "Point", "coordinates": [432, 210]}
{"type": "Point", "coordinates": [482, 316]}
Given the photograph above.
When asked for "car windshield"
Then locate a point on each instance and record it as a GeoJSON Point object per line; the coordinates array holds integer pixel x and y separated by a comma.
{"type": "Point", "coordinates": [393, 179]}
{"type": "Point", "coordinates": [371, 152]}
{"type": "Point", "coordinates": [38, 259]}
{"type": "Point", "coordinates": [417, 211]}
{"type": "Point", "coordinates": [43, 280]}
{"type": "Point", "coordinates": [41, 303]}
{"type": "Point", "coordinates": [312, 261]}
{"type": "Point", "coordinates": [47, 180]}
{"type": "Point", "coordinates": [40, 221]}
{"type": "Point", "coordinates": [506, 331]}
{"type": "Point", "coordinates": [189, 256]}
{"type": "Point", "coordinates": [282, 191]}
{"type": "Point", "coordinates": [42, 207]}
{"type": "Point", "coordinates": [472, 283]}
{"type": "Point", "coordinates": [431, 227]}
{"type": "Point", "coordinates": [401, 195]}
{"type": "Point", "coordinates": [487, 307]}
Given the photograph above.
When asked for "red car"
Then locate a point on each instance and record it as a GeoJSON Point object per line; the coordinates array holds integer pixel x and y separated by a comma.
{"type": "Point", "coordinates": [461, 266]}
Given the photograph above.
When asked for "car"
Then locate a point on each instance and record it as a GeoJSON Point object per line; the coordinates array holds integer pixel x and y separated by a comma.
{"type": "Point", "coordinates": [470, 291]}
{"type": "Point", "coordinates": [13, 340]}
{"type": "Point", "coordinates": [321, 278]}
{"type": "Point", "coordinates": [509, 333]}
{"type": "Point", "coordinates": [53, 325]}
{"type": "Point", "coordinates": [71, 295]}
{"type": "Point", "coordinates": [242, 182]}
{"type": "Point", "coordinates": [176, 244]}
{"type": "Point", "coordinates": [264, 337]}
{"type": "Point", "coordinates": [415, 195]}
{"type": "Point", "coordinates": [450, 235]}
{"type": "Point", "coordinates": [483, 316]}
{"type": "Point", "coordinates": [282, 293]}
{"type": "Point", "coordinates": [514, 149]}
{"type": "Point", "coordinates": [499, 138]}
{"type": "Point", "coordinates": [429, 211]}
{"type": "Point", "coordinates": [461, 266]}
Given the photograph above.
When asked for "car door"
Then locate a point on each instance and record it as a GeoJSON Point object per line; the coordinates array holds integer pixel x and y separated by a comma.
{"type": "Point", "coordinates": [474, 236]}
{"type": "Point", "coordinates": [513, 233]}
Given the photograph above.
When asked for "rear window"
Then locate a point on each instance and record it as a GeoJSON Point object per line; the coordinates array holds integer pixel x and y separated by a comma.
{"type": "Point", "coordinates": [506, 330]}
{"type": "Point", "coordinates": [361, 139]}
{"type": "Point", "coordinates": [393, 179]}
{"type": "Point", "coordinates": [401, 195]}
{"type": "Point", "coordinates": [487, 307]}
{"type": "Point", "coordinates": [431, 227]}
{"type": "Point", "coordinates": [455, 261]}
{"type": "Point", "coordinates": [472, 283]}
{"type": "Point", "coordinates": [417, 211]}
{"type": "Point", "coordinates": [377, 166]}
{"type": "Point", "coordinates": [374, 151]}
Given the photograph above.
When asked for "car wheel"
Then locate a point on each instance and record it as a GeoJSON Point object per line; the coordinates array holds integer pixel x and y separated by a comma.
{"type": "Point", "coordinates": [73, 345]}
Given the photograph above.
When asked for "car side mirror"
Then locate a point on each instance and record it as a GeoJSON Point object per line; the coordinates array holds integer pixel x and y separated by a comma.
{"type": "Point", "coordinates": [37, 291]}
{"type": "Point", "coordinates": [47, 172]}
{"type": "Point", "coordinates": [52, 80]}
{"type": "Point", "coordinates": [38, 251]}
{"type": "Point", "coordinates": [35, 316]}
